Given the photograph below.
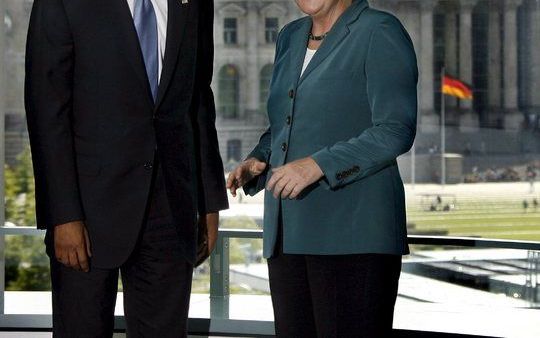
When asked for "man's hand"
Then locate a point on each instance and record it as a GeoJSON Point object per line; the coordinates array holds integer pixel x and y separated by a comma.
{"type": "Point", "coordinates": [72, 245]}
{"type": "Point", "coordinates": [244, 173]}
{"type": "Point", "coordinates": [212, 224]}
{"type": "Point", "coordinates": [290, 180]}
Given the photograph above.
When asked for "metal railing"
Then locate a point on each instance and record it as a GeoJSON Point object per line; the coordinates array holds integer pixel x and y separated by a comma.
{"type": "Point", "coordinates": [219, 322]}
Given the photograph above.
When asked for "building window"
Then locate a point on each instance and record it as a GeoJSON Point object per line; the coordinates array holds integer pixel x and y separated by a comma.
{"type": "Point", "coordinates": [230, 31]}
{"type": "Point", "coordinates": [234, 150]}
{"type": "Point", "coordinates": [228, 82]}
{"type": "Point", "coordinates": [271, 29]}
{"type": "Point", "coordinates": [265, 77]}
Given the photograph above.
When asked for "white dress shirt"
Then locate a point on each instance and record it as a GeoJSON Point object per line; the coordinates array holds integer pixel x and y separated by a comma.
{"type": "Point", "coordinates": [161, 8]}
{"type": "Point", "coordinates": [307, 59]}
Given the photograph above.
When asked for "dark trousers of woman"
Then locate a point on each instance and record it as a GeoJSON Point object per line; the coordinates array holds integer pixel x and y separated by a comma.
{"type": "Point", "coordinates": [333, 296]}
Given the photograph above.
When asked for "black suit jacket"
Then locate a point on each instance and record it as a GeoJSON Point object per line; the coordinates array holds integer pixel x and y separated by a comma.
{"type": "Point", "coordinates": [94, 128]}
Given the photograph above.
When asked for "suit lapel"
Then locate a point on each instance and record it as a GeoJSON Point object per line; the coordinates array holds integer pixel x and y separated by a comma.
{"type": "Point", "coordinates": [130, 45]}
{"type": "Point", "coordinates": [335, 36]}
{"type": "Point", "coordinates": [176, 24]}
{"type": "Point", "coordinates": [297, 45]}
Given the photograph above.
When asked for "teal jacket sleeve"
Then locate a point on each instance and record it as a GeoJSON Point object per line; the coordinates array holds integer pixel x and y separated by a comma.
{"type": "Point", "coordinates": [262, 153]}
{"type": "Point", "coordinates": [392, 75]}
{"type": "Point", "coordinates": [262, 150]}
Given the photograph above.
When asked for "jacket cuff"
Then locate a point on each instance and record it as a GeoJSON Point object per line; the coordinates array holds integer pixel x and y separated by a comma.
{"type": "Point", "coordinates": [214, 201]}
{"type": "Point", "coordinates": [335, 176]}
{"type": "Point", "coordinates": [217, 207]}
{"type": "Point", "coordinates": [62, 214]}
{"type": "Point", "coordinates": [263, 156]}
{"type": "Point", "coordinates": [258, 183]}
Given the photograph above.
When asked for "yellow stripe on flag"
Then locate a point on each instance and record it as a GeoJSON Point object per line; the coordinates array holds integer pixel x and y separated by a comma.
{"type": "Point", "coordinates": [453, 91]}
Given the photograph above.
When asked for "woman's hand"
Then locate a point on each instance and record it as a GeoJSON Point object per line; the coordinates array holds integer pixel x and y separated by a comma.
{"type": "Point", "coordinates": [244, 173]}
{"type": "Point", "coordinates": [290, 180]}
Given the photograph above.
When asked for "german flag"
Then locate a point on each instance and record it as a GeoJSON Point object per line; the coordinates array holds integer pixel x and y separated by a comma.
{"type": "Point", "coordinates": [457, 88]}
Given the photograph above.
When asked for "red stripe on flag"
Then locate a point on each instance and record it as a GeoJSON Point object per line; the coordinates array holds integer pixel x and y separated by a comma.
{"type": "Point", "coordinates": [465, 91]}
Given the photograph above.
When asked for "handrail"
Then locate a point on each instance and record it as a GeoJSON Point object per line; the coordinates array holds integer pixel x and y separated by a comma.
{"type": "Point", "coordinates": [475, 242]}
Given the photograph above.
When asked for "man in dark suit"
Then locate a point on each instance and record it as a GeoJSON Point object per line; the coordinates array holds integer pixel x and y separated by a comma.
{"type": "Point", "coordinates": [121, 121]}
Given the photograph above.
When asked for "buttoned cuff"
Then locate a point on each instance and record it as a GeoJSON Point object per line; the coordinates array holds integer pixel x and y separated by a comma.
{"type": "Point", "coordinates": [335, 175]}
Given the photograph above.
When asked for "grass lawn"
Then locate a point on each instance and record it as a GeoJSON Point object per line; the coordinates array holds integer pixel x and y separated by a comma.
{"type": "Point", "coordinates": [490, 218]}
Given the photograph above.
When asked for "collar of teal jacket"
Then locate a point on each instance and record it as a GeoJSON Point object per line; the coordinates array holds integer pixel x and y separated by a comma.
{"type": "Point", "coordinates": [299, 39]}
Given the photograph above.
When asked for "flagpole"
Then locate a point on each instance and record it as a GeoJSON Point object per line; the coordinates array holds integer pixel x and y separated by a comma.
{"type": "Point", "coordinates": [443, 131]}
{"type": "Point", "coordinates": [413, 166]}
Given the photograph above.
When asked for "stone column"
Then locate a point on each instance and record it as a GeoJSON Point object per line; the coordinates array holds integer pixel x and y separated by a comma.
{"type": "Point", "coordinates": [468, 119]}
{"type": "Point", "coordinates": [533, 83]}
{"type": "Point", "coordinates": [494, 63]}
{"type": "Point", "coordinates": [218, 45]}
{"type": "Point", "coordinates": [450, 54]}
{"type": "Point", "coordinates": [408, 14]}
{"type": "Point", "coordinates": [252, 64]}
{"type": "Point", "coordinates": [428, 120]}
{"type": "Point", "coordinates": [513, 119]}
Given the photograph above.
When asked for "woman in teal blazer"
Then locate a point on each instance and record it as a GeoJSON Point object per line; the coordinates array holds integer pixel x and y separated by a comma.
{"type": "Point", "coordinates": [342, 108]}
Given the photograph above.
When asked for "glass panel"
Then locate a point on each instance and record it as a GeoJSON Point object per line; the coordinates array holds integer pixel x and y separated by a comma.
{"type": "Point", "coordinates": [19, 193]}
{"type": "Point", "coordinates": [473, 170]}
{"type": "Point", "coordinates": [27, 266]}
{"type": "Point", "coordinates": [500, 159]}
{"type": "Point", "coordinates": [26, 275]}
{"type": "Point", "coordinates": [492, 292]}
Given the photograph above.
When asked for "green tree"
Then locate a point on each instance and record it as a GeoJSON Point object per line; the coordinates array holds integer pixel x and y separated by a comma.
{"type": "Point", "coordinates": [27, 266]}
{"type": "Point", "coordinates": [20, 192]}
{"type": "Point", "coordinates": [10, 193]}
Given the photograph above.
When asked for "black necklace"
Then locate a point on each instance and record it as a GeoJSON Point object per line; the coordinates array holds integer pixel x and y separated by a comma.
{"type": "Point", "coordinates": [317, 37]}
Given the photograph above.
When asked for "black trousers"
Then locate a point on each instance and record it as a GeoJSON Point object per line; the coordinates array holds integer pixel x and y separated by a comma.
{"type": "Point", "coordinates": [156, 282]}
{"type": "Point", "coordinates": [333, 296]}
